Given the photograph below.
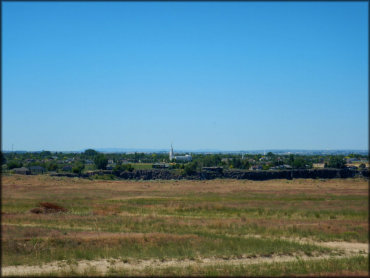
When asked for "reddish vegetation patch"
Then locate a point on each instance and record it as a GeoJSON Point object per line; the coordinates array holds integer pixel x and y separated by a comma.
{"type": "Point", "coordinates": [37, 210]}
{"type": "Point", "coordinates": [48, 208]}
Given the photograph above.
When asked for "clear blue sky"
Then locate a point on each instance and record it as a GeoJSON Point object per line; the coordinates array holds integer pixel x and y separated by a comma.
{"type": "Point", "coordinates": [228, 76]}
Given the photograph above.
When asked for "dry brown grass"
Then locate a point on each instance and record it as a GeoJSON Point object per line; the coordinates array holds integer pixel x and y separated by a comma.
{"type": "Point", "coordinates": [103, 215]}
{"type": "Point", "coordinates": [171, 219]}
{"type": "Point", "coordinates": [22, 186]}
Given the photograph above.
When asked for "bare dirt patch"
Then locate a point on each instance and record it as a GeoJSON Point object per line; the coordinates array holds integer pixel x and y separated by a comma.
{"type": "Point", "coordinates": [105, 265]}
{"type": "Point", "coordinates": [353, 247]}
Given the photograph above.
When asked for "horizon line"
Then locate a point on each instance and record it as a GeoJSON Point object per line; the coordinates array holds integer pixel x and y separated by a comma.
{"type": "Point", "coordinates": [118, 150]}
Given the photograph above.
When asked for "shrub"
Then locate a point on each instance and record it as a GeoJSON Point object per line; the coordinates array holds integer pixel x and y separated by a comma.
{"type": "Point", "coordinates": [191, 168]}
{"type": "Point", "coordinates": [77, 169]}
{"type": "Point", "coordinates": [124, 167]}
{"type": "Point", "coordinates": [335, 162]}
{"type": "Point", "coordinates": [14, 164]}
{"type": "Point", "coordinates": [52, 166]}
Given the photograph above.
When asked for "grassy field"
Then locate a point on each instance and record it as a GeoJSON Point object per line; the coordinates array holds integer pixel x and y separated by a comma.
{"type": "Point", "coordinates": [142, 166]}
{"type": "Point", "coordinates": [211, 224]}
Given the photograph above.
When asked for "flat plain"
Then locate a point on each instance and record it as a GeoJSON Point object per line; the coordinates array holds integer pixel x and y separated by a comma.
{"type": "Point", "coordinates": [182, 227]}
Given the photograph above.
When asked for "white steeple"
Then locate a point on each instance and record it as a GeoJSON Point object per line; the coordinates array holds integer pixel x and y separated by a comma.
{"type": "Point", "coordinates": [171, 153]}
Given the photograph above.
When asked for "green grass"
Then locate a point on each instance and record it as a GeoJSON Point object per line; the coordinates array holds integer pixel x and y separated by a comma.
{"type": "Point", "coordinates": [178, 215]}
{"type": "Point", "coordinates": [142, 166]}
{"type": "Point", "coordinates": [35, 250]}
{"type": "Point", "coordinates": [231, 207]}
{"type": "Point", "coordinates": [171, 221]}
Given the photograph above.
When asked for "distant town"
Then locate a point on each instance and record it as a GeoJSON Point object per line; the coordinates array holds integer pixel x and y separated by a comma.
{"type": "Point", "coordinates": [87, 161]}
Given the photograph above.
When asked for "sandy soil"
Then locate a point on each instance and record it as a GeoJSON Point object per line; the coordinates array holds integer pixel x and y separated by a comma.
{"type": "Point", "coordinates": [103, 266]}
{"type": "Point", "coordinates": [351, 247]}
{"type": "Point", "coordinates": [347, 247]}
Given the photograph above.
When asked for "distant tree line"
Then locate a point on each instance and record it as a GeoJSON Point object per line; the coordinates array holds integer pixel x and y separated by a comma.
{"type": "Point", "coordinates": [91, 159]}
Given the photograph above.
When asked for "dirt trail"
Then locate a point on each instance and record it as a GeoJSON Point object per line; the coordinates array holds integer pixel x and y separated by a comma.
{"type": "Point", "coordinates": [105, 265]}
{"type": "Point", "coordinates": [351, 247]}
{"type": "Point", "coordinates": [348, 247]}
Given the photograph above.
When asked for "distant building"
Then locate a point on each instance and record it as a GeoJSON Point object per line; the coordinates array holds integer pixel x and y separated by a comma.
{"type": "Point", "coordinates": [67, 168]}
{"type": "Point", "coordinates": [22, 171]}
{"type": "Point", "coordinates": [37, 170]}
{"type": "Point", "coordinates": [111, 166]}
{"type": "Point", "coordinates": [351, 160]}
{"type": "Point", "coordinates": [318, 165]}
{"type": "Point", "coordinates": [182, 158]}
{"type": "Point", "coordinates": [171, 153]}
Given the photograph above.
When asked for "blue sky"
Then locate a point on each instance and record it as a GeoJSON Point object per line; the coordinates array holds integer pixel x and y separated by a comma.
{"type": "Point", "coordinates": [215, 75]}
